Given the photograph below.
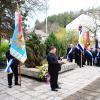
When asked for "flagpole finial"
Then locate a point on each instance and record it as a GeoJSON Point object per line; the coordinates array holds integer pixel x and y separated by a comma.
{"type": "Point", "coordinates": [18, 1]}
{"type": "Point", "coordinates": [80, 28]}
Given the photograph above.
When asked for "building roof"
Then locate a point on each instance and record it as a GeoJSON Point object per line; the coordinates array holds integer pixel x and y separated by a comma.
{"type": "Point", "coordinates": [85, 21]}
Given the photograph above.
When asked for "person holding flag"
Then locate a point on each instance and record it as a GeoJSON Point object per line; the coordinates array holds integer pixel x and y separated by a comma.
{"type": "Point", "coordinates": [80, 46]}
{"type": "Point", "coordinates": [98, 57]}
{"type": "Point", "coordinates": [17, 52]}
{"type": "Point", "coordinates": [12, 69]}
{"type": "Point", "coordinates": [18, 48]}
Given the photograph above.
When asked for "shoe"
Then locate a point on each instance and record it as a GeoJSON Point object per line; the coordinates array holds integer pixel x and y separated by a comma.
{"type": "Point", "coordinates": [10, 86]}
{"type": "Point", "coordinates": [55, 90]}
{"type": "Point", "coordinates": [17, 84]}
{"type": "Point", "coordinates": [58, 87]}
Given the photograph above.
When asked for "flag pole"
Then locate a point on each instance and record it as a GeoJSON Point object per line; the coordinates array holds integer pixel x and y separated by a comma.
{"type": "Point", "coordinates": [81, 59]}
{"type": "Point", "coordinates": [19, 63]}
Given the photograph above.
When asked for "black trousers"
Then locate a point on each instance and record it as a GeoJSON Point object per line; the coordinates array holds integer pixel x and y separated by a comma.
{"type": "Point", "coordinates": [98, 62]}
{"type": "Point", "coordinates": [15, 73]}
{"type": "Point", "coordinates": [89, 62]}
{"type": "Point", "coordinates": [53, 79]}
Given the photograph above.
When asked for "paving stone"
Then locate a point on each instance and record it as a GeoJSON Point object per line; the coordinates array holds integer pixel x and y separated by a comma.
{"type": "Point", "coordinates": [43, 96]}
{"type": "Point", "coordinates": [89, 92]}
{"type": "Point", "coordinates": [33, 93]}
{"type": "Point", "coordinates": [18, 95]}
{"type": "Point", "coordinates": [9, 98]}
{"type": "Point", "coordinates": [26, 97]}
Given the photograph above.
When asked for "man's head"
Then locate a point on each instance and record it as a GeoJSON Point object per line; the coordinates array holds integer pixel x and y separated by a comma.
{"type": "Point", "coordinates": [53, 50]}
{"type": "Point", "coordinates": [71, 45]}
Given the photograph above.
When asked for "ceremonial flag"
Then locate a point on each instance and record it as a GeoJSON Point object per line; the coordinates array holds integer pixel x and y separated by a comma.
{"type": "Point", "coordinates": [81, 39]}
{"type": "Point", "coordinates": [71, 50]}
{"type": "Point", "coordinates": [87, 40]}
{"type": "Point", "coordinates": [88, 53]}
{"type": "Point", "coordinates": [80, 47]}
{"type": "Point", "coordinates": [8, 68]}
{"type": "Point", "coordinates": [18, 49]}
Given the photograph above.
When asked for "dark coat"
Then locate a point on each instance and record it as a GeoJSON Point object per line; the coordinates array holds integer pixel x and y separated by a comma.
{"type": "Point", "coordinates": [54, 66]}
{"type": "Point", "coordinates": [9, 57]}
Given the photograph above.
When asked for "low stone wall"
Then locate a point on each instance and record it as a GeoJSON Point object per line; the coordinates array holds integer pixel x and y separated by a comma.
{"type": "Point", "coordinates": [34, 72]}
{"type": "Point", "coordinates": [67, 67]}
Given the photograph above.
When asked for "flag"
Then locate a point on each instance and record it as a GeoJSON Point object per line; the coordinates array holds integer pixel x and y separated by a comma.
{"type": "Point", "coordinates": [8, 68]}
{"type": "Point", "coordinates": [87, 40]}
{"type": "Point", "coordinates": [80, 47]}
{"type": "Point", "coordinates": [18, 49]}
{"type": "Point", "coordinates": [88, 53]}
{"type": "Point", "coordinates": [71, 50]}
{"type": "Point", "coordinates": [81, 39]}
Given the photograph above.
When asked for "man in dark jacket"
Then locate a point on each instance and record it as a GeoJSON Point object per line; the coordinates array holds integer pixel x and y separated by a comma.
{"type": "Point", "coordinates": [70, 53]}
{"type": "Point", "coordinates": [53, 68]}
{"type": "Point", "coordinates": [14, 67]}
{"type": "Point", "coordinates": [98, 57]}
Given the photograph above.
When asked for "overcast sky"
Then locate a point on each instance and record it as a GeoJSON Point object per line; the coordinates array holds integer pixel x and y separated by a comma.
{"type": "Point", "coordinates": [60, 6]}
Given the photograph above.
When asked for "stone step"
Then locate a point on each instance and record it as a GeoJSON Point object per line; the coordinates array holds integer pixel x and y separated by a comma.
{"type": "Point", "coordinates": [34, 72]}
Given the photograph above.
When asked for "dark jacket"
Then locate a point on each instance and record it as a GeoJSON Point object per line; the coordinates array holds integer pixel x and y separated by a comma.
{"type": "Point", "coordinates": [54, 66]}
{"type": "Point", "coordinates": [9, 57]}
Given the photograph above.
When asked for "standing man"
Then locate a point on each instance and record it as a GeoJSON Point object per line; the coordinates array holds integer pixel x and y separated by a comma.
{"type": "Point", "coordinates": [53, 68]}
{"type": "Point", "coordinates": [14, 67]}
{"type": "Point", "coordinates": [70, 53]}
{"type": "Point", "coordinates": [77, 56]}
{"type": "Point", "coordinates": [98, 57]}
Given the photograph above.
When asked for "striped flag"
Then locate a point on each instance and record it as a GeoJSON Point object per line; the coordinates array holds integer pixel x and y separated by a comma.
{"type": "Point", "coordinates": [71, 50]}
{"type": "Point", "coordinates": [18, 49]}
{"type": "Point", "coordinates": [80, 47]}
{"type": "Point", "coordinates": [87, 40]}
{"type": "Point", "coordinates": [80, 44]}
{"type": "Point", "coordinates": [8, 68]}
{"type": "Point", "coordinates": [81, 39]}
{"type": "Point", "coordinates": [88, 53]}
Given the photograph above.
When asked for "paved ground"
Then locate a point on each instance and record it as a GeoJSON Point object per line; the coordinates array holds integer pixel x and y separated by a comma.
{"type": "Point", "coordinates": [71, 82]}
{"type": "Point", "coordinates": [90, 92]}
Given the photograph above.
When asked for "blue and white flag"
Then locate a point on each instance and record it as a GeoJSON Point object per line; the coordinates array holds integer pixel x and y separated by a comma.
{"type": "Point", "coordinates": [18, 49]}
{"type": "Point", "coordinates": [8, 68]}
{"type": "Point", "coordinates": [81, 38]}
{"type": "Point", "coordinates": [80, 47]}
{"type": "Point", "coordinates": [71, 50]}
{"type": "Point", "coordinates": [89, 53]}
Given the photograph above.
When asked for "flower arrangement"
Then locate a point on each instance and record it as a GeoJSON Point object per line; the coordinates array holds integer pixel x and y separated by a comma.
{"type": "Point", "coordinates": [43, 72]}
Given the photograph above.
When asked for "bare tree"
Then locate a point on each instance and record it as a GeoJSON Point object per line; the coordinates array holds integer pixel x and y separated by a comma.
{"type": "Point", "coordinates": [94, 26]}
{"type": "Point", "coordinates": [8, 8]}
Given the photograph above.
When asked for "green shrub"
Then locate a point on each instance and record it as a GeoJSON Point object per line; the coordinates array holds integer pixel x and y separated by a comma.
{"type": "Point", "coordinates": [51, 41]}
{"type": "Point", "coordinates": [35, 51]}
{"type": "Point", "coordinates": [59, 44]}
{"type": "Point", "coordinates": [3, 49]}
